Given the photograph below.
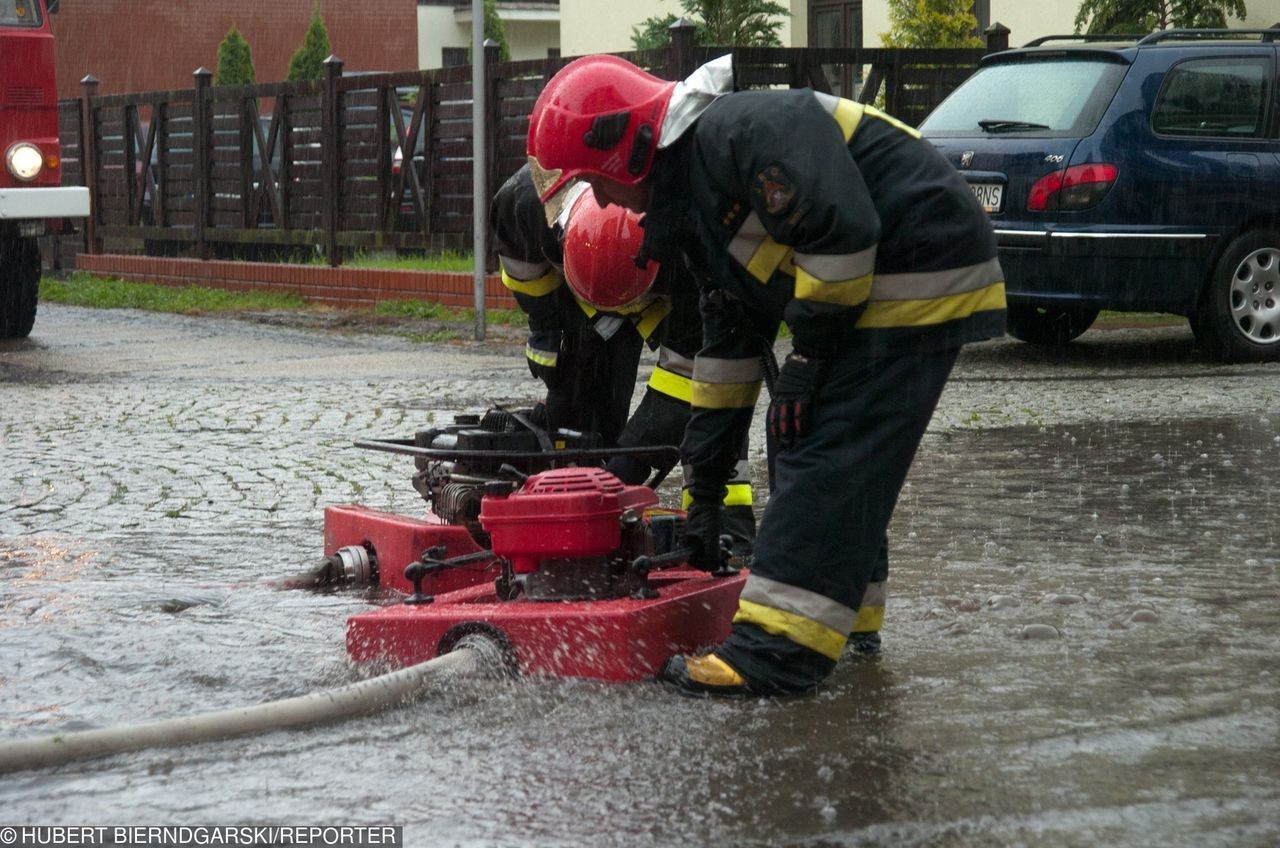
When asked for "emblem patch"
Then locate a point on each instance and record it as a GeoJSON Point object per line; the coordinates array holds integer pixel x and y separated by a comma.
{"type": "Point", "coordinates": [774, 187]}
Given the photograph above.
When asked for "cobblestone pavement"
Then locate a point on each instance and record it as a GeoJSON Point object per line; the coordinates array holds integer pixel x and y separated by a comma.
{"type": "Point", "coordinates": [150, 462]}
{"type": "Point", "coordinates": [112, 420]}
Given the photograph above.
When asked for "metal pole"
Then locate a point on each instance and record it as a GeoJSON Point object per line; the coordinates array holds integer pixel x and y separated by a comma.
{"type": "Point", "coordinates": [479, 206]}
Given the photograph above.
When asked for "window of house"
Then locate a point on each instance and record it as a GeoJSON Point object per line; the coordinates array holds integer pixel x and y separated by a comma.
{"type": "Point", "coordinates": [837, 23]}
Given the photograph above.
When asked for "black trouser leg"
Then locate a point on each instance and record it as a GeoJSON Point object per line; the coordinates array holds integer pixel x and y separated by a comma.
{"type": "Point", "coordinates": [823, 530]}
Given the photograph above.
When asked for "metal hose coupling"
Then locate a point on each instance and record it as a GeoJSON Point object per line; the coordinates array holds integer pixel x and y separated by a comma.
{"type": "Point", "coordinates": [353, 564]}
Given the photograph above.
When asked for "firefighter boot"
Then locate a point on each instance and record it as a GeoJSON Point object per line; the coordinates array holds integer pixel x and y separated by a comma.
{"type": "Point", "coordinates": [698, 677]}
{"type": "Point", "coordinates": [864, 644]}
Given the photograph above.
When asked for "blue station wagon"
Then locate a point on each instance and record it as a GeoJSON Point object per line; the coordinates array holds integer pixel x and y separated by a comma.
{"type": "Point", "coordinates": [1131, 174]}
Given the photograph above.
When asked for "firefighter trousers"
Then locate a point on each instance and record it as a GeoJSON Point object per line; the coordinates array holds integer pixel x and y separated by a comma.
{"type": "Point", "coordinates": [822, 537]}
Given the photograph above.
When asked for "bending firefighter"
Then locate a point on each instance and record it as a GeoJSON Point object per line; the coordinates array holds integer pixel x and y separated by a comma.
{"type": "Point", "coordinates": [841, 221]}
{"type": "Point", "coordinates": [585, 338]}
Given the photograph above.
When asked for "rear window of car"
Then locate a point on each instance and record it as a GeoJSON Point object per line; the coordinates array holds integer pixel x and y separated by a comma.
{"type": "Point", "coordinates": [1223, 97]}
{"type": "Point", "coordinates": [1065, 96]}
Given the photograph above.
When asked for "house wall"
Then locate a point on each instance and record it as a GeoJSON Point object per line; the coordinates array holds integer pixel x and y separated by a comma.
{"type": "Point", "coordinates": [530, 31]}
{"type": "Point", "coordinates": [585, 29]}
{"type": "Point", "coordinates": [131, 46]}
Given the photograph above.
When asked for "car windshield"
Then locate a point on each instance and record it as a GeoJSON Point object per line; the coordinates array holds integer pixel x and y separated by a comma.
{"type": "Point", "coordinates": [19, 13]}
{"type": "Point", "coordinates": [1062, 97]}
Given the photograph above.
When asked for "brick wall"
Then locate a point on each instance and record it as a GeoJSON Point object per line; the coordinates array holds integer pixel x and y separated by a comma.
{"type": "Point", "coordinates": [131, 46]}
{"type": "Point", "coordinates": [339, 287]}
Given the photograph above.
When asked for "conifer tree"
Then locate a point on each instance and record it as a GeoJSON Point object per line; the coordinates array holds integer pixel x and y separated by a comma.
{"type": "Point", "coordinates": [235, 61]}
{"type": "Point", "coordinates": [308, 61]}
{"type": "Point", "coordinates": [493, 29]}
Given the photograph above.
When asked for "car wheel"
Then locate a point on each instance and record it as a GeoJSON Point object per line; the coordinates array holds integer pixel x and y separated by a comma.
{"type": "Point", "coordinates": [1238, 319]}
{"type": "Point", "coordinates": [19, 286]}
{"type": "Point", "coordinates": [1049, 325]}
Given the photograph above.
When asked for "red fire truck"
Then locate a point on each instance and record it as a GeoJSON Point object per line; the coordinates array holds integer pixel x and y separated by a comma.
{"type": "Point", "coordinates": [33, 200]}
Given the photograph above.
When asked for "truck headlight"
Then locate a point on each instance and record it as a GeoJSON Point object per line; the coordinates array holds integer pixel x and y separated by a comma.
{"type": "Point", "coordinates": [24, 161]}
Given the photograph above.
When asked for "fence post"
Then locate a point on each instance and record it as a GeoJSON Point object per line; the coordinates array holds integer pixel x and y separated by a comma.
{"type": "Point", "coordinates": [330, 158]}
{"type": "Point", "coordinates": [683, 62]}
{"type": "Point", "coordinates": [997, 37]}
{"type": "Point", "coordinates": [200, 147]}
{"type": "Point", "coordinates": [89, 161]}
{"type": "Point", "coordinates": [494, 177]}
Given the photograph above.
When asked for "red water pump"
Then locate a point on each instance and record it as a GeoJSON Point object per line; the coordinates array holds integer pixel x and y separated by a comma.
{"type": "Point", "coordinates": [589, 583]}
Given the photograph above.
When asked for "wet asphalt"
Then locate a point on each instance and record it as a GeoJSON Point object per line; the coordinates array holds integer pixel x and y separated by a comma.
{"type": "Point", "coordinates": [1080, 646]}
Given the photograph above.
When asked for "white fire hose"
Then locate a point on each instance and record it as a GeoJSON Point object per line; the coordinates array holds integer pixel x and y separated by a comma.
{"type": "Point", "coordinates": [472, 655]}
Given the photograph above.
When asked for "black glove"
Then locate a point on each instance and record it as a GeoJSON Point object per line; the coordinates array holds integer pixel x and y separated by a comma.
{"type": "Point", "coordinates": [628, 469]}
{"type": "Point", "coordinates": [702, 528]}
{"type": "Point", "coordinates": [791, 410]}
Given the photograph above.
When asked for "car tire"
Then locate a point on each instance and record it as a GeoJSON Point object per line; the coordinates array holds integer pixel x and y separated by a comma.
{"type": "Point", "coordinates": [19, 286]}
{"type": "Point", "coordinates": [1238, 319]}
{"type": "Point", "coordinates": [1049, 325]}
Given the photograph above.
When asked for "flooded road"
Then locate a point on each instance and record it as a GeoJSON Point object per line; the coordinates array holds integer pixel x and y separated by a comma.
{"type": "Point", "coordinates": [1081, 643]}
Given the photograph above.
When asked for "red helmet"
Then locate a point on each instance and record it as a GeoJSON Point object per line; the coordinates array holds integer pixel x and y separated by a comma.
{"type": "Point", "coordinates": [599, 250]}
{"type": "Point", "coordinates": [599, 115]}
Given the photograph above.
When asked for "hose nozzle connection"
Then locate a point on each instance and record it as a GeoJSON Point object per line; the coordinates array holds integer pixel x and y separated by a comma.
{"type": "Point", "coordinates": [353, 564]}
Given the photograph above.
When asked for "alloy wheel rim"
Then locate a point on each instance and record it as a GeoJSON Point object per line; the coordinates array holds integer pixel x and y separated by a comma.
{"type": "Point", "coordinates": [1255, 296]}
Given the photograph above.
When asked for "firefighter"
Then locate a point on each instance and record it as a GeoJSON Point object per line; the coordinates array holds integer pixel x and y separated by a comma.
{"type": "Point", "coordinates": [836, 218]}
{"type": "Point", "coordinates": [586, 337]}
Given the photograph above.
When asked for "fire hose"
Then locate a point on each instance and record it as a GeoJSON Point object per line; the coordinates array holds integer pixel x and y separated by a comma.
{"type": "Point", "coordinates": [474, 654]}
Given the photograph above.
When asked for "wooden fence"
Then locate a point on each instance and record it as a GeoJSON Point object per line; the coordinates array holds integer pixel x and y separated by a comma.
{"type": "Point", "coordinates": [362, 162]}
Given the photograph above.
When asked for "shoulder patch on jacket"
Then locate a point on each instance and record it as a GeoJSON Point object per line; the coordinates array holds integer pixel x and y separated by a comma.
{"type": "Point", "coordinates": [776, 189]}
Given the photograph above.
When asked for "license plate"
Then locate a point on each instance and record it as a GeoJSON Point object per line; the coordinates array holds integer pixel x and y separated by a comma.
{"type": "Point", "coordinates": [990, 195]}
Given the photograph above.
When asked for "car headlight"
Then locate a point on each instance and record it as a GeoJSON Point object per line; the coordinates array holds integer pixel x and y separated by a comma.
{"type": "Point", "coordinates": [24, 161]}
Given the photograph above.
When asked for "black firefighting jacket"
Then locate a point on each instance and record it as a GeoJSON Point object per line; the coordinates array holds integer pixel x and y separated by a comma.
{"type": "Point", "coordinates": [829, 215]}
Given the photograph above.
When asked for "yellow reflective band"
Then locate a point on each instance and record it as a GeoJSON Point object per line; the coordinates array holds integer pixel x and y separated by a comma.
{"type": "Point", "coordinates": [545, 284]}
{"type": "Point", "coordinates": [768, 256]}
{"type": "Point", "coordinates": [840, 292]}
{"type": "Point", "coordinates": [541, 357]}
{"type": "Point", "coordinates": [803, 631]}
{"type": "Point", "coordinates": [725, 395]}
{"type": "Point", "coordinates": [652, 317]}
{"type": "Point", "coordinates": [921, 313]}
{"type": "Point", "coordinates": [869, 620]}
{"type": "Point", "coordinates": [671, 384]}
{"type": "Point", "coordinates": [739, 494]}
{"type": "Point", "coordinates": [847, 115]}
{"type": "Point", "coordinates": [587, 308]}
{"type": "Point", "coordinates": [884, 116]}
